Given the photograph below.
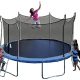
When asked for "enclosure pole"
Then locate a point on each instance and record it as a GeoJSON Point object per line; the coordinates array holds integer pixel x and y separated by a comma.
{"type": "Point", "coordinates": [19, 27]}
{"type": "Point", "coordinates": [49, 25]}
{"type": "Point", "coordinates": [49, 49]}
{"type": "Point", "coordinates": [63, 42]}
{"type": "Point", "coordinates": [63, 54]}
{"type": "Point", "coordinates": [73, 26]}
{"type": "Point", "coordinates": [19, 30]}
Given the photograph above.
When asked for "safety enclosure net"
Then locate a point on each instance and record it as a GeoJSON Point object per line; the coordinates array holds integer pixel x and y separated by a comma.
{"type": "Point", "coordinates": [20, 28]}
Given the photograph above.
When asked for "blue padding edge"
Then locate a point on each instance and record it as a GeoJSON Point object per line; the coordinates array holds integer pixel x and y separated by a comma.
{"type": "Point", "coordinates": [37, 60]}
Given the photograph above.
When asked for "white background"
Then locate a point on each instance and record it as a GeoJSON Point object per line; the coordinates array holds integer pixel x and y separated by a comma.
{"type": "Point", "coordinates": [9, 9]}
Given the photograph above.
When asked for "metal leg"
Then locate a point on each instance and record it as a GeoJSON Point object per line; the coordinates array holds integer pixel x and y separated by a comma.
{"type": "Point", "coordinates": [9, 72]}
{"type": "Point", "coordinates": [54, 75]}
{"type": "Point", "coordinates": [12, 73]}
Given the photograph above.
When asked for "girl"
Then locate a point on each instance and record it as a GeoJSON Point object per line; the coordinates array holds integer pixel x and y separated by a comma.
{"type": "Point", "coordinates": [76, 47]}
{"type": "Point", "coordinates": [1, 59]}
{"type": "Point", "coordinates": [75, 55]}
{"type": "Point", "coordinates": [35, 17]}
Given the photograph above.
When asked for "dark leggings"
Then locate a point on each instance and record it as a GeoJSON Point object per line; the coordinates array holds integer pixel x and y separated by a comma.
{"type": "Point", "coordinates": [3, 64]}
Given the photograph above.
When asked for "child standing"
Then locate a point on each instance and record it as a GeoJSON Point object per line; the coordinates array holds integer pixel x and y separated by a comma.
{"type": "Point", "coordinates": [75, 55]}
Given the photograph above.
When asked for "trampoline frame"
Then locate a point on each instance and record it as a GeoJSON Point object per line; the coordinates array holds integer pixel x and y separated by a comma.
{"type": "Point", "coordinates": [42, 65]}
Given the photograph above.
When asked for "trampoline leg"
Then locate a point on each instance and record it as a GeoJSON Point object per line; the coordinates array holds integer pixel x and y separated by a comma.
{"type": "Point", "coordinates": [9, 72]}
{"type": "Point", "coordinates": [12, 73]}
{"type": "Point", "coordinates": [51, 76]}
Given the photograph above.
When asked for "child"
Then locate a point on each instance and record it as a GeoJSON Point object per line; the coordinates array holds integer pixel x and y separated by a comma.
{"type": "Point", "coordinates": [75, 44]}
{"type": "Point", "coordinates": [35, 17]}
{"type": "Point", "coordinates": [75, 55]}
{"type": "Point", "coordinates": [1, 59]}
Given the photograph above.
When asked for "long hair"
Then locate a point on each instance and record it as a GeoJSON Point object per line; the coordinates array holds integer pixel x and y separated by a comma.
{"type": "Point", "coordinates": [32, 13]}
{"type": "Point", "coordinates": [75, 44]}
{"type": "Point", "coordinates": [76, 47]}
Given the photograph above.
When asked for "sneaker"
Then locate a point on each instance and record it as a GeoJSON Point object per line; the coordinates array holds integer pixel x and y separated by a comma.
{"type": "Point", "coordinates": [2, 69]}
{"type": "Point", "coordinates": [74, 70]}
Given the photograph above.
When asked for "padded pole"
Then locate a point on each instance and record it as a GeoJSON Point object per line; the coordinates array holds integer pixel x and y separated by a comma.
{"type": "Point", "coordinates": [63, 56]}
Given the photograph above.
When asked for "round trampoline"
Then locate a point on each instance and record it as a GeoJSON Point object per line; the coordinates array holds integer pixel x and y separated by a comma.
{"type": "Point", "coordinates": [23, 44]}
{"type": "Point", "coordinates": [37, 50]}
{"type": "Point", "coordinates": [51, 44]}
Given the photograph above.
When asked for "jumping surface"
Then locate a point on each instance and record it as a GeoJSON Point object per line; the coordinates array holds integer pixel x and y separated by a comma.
{"type": "Point", "coordinates": [37, 51]}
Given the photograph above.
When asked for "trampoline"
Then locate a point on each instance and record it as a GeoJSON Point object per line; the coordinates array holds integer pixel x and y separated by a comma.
{"type": "Point", "coordinates": [37, 51]}
{"type": "Point", "coordinates": [51, 44]}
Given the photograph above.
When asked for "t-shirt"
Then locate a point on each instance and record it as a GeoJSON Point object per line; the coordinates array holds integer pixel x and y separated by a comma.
{"type": "Point", "coordinates": [35, 15]}
{"type": "Point", "coordinates": [75, 55]}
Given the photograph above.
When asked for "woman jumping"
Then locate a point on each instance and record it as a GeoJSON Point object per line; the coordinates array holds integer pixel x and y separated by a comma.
{"type": "Point", "coordinates": [35, 17]}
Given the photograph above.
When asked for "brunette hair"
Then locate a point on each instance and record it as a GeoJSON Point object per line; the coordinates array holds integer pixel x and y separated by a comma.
{"type": "Point", "coordinates": [75, 44]}
{"type": "Point", "coordinates": [31, 12]}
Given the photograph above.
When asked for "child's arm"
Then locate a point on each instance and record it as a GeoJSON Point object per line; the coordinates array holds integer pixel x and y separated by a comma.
{"type": "Point", "coordinates": [39, 6]}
